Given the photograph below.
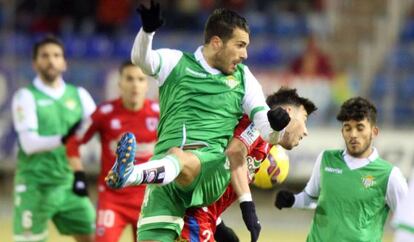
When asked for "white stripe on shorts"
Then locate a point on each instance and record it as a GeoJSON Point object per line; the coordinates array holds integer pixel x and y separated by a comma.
{"type": "Point", "coordinates": [162, 219]}
{"type": "Point", "coordinates": [31, 237]}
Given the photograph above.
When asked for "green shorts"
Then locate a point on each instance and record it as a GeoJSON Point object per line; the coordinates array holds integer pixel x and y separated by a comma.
{"type": "Point", "coordinates": [34, 205]}
{"type": "Point", "coordinates": [163, 207]}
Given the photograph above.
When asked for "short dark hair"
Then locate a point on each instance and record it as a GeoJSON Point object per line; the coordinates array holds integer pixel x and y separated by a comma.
{"type": "Point", "coordinates": [357, 108]}
{"type": "Point", "coordinates": [289, 96]}
{"type": "Point", "coordinates": [222, 23]}
{"type": "Point", "coordinates": [124, 65]}
{"type": "Point", "coordinates": [46, 40]}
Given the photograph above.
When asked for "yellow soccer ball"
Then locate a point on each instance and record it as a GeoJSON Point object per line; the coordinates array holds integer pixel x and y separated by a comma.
{"type": "Point", "coordinates": [274, 169]}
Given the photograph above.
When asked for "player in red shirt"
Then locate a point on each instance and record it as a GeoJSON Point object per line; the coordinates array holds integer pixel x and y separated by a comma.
{"type": "Point", "coordinates": [134, 113]}
{"type": "Point", "coordinates": [200, 223]}
{"type": "Point", "coordinates": [204, 224]}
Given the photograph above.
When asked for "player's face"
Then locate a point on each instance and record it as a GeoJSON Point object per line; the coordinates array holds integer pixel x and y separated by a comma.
{"type": "Point", "coordinates": [50, 62]}
{"type": "Point", "coordinates": [232, 52]}
{"type": "Point", "coordinates": [296, 129]}
{"type": "Point", "coordinates": [358, 137]}
{"type": "Point", "coordinates": [133, 85]}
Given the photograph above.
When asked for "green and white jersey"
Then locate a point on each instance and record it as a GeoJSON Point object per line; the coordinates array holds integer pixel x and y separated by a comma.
{"type": "Point", "coordinates": [198, 104]}
{"type": "Point", "coordinates": [403, 219]}
{"type": "Point", "coordinates": [41, 115]}
{"type": "Point", "coordinates": [353, 196]}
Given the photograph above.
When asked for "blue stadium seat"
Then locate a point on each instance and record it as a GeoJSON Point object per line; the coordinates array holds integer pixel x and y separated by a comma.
{"type": "Point", "coordinates": [122, 46]}
{"type": "Point", "coordinates": [402, 57]}
{"type": "Point", "coordinates": [257, 22]}
{"type": "Point", "coordinates": [99, 46]}
{"type": "Point", "coordinates": [75, 46]}
{"type": "Point", "coordinates": [407, 32]}
{"type": "Point", "coordinates": [288, 25]}
{"type": "Point", "coordinates": [379, 87]}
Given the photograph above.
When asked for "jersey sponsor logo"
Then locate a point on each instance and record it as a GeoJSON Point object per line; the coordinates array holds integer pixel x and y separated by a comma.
{"type": "Point", "coordinates": [115, 124]}
{"type": "Point", "coordinates": [195, 73]}
{"type": "Point", "coordinates": [368, 181]}
{"type": "Point", "coordinates": [151, 123]}
{"type": "Point", "coordinates": [70, 104]}
{"type": "Point", "coordinates": [333, 170]}
{"type": "Point", "coordinates": [44, 102]}
{"type": "Point", "coordinates": [250, 134]}
{"type": "Point", "coordinates": [231, 82]}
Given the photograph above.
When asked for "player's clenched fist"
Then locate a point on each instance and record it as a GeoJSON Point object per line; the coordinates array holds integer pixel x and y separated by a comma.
{"type": "Point", "coordinates": [278, 118]}
{"type": "Point", "coordinates": [150, 17]}
{"type": "Point", "coordinates": [284, 199]}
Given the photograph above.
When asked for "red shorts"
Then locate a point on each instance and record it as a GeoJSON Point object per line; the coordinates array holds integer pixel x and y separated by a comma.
{"type": "Point", "coordinates": [116, 210]}
{"type": "Point", "coordinates": [200, 223]}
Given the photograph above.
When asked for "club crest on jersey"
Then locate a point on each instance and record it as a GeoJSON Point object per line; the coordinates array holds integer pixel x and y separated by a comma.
{"type": "Point", "coordinates": [115, 124]}
{"type": "Point", "coordinates": [70, 104]}
{"type": "Point", "coordinates": [231, 82]}
{"type": "Point", "coordinates": [368, 181]}
{"type": "Point", "coordinates": [151, 123]}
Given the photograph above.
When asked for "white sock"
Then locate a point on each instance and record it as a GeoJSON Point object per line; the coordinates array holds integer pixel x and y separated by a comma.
{"type": "Point", "coordinates": [162, 171]}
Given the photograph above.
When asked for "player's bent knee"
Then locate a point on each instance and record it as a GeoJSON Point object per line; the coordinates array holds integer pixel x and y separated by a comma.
{"type": "Point", "coordinates": [190, 166]}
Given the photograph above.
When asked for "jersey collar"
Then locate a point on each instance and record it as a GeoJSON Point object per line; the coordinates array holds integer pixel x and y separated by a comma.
{"type": "Point", "coordinates": [200, 58]}
{"type": "Point", "coordinates": [54, 93]}
{"type": "Point", "coordinates": [355, 163]}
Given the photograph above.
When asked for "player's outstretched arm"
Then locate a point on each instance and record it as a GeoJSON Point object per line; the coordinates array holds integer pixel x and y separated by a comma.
{"type": "Point", "coordinates": [142, 53]}
{"type": "Point", "coordinates": [286, 199]}
{"type": "Point", "coordinates": [236, 153]}
{"type": "Point", "coordinates": [308, 197]}
{"type": "Point", "coordinates": [156, 63]}
{"type": "Point", "coordinates": [269, 123]}
{"type": "Point", "coordinates": [150, 17]}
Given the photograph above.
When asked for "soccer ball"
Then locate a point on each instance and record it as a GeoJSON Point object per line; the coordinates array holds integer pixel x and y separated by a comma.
{"type": "Point", "coordinates": [273, 170]}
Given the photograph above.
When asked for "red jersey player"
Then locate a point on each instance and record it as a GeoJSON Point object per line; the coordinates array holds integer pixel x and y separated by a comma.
{"type": "Point", "coordinates": [133, 113]}
{"type": "Point", "coordinates": [200, 223]}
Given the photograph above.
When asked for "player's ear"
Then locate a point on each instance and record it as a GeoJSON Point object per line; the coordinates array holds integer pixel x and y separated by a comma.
{"type": "Point", "coordinates": [288, 109]}
{"type": "Point", "coordinates": [375, 131]}
{"type": "Point", "coordinates": [216, 42]}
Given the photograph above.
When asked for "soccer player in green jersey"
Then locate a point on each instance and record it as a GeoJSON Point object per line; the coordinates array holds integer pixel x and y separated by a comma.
{"type": "Point", "coordinates": [45, 113]}
{"type": "Point", "coordinates": [202, 97]}
{"type": "Point", "coordinates": [353, 189]}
